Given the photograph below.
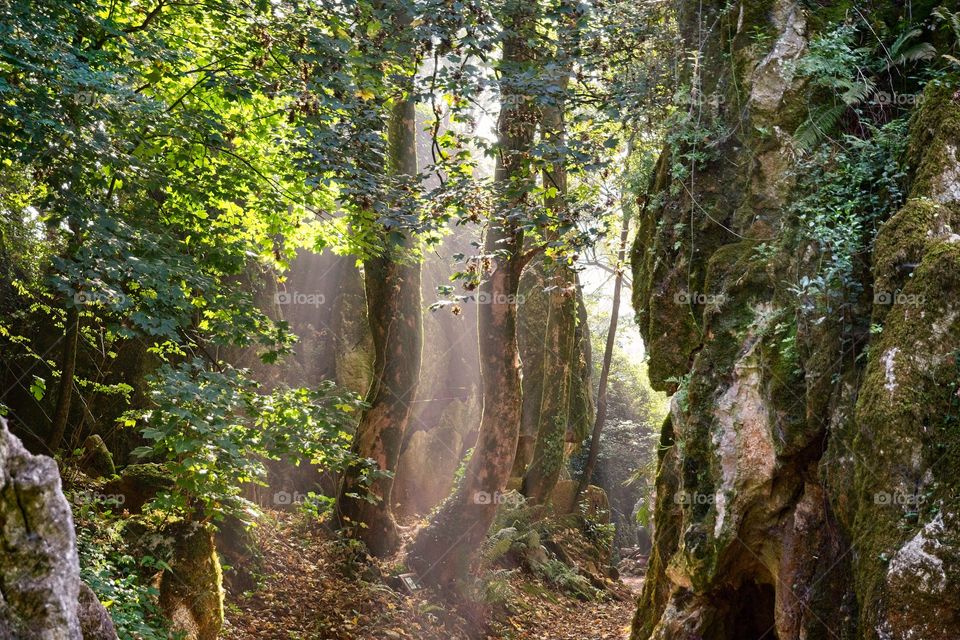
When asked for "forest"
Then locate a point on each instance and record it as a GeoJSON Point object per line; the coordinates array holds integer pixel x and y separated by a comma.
{"type": "Point", "coordinates": [479, 319]}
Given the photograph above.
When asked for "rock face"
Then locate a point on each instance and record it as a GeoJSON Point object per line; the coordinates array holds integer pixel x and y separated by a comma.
{"type": "Point", "coordinates": [430, 460]}
{"type": "Point", "coordinates": [324, 303]}
{"type": "Point", "coordinates": [807, 482]}
{"type": "Point", "coordinates": [39, 569]}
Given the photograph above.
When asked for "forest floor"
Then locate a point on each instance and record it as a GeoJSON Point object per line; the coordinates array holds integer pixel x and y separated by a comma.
{"type": "Point", "coordinates": [310, 587]}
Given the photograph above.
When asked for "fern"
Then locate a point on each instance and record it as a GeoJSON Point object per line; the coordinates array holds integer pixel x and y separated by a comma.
{"type": "Point", "coordinates": [901, 52]}
{"type": "Point", "coordinates": [814, 129]}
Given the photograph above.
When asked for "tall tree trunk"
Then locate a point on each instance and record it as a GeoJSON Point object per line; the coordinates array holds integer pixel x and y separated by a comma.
{"type": "Point", "coordinates": [68, 368]}
{"type": "Point", "coordinates": [443, 551]}
{"type": "Point", "coordinates": [392, 285]}
{"type": "Point", "coordinates": [558, 345]}
{"type": "Point", "coordinates": [607, 359]}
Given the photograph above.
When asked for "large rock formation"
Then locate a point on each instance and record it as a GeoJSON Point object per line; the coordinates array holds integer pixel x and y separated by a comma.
{"type": "Point", "coordinates": [429, 463]}
{"type": "Point", "coordinates": [39, 569]}
{"type": "Point", "coordinates": [41, 595]}
{"type": "Point", "coordinates": [807, 482]}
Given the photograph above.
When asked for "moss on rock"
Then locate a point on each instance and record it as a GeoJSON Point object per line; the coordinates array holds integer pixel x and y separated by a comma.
{"type": "Point", "coordinates": [191, 590]}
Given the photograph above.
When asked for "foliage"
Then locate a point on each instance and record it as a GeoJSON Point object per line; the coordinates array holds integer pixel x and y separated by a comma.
{"type": "Point", "coordinates": [120, 582]}
{"type": "Point", "coordinates": [214, 430]}
{"type": "Point", "coordinates": [848, 192]}
{"type": "Point", "coordinates": [596, 530]}
{"type": "Point", "coordinates": [497, 587]}
{"type": "Point", "coordinates": [694, 133]}
{"type": "Point", "coordinates": [855, 75]}
{"type": "Point", "coordinates": [567, 579]}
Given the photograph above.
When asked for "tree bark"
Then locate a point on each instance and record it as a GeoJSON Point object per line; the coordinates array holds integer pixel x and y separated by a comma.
{"type": "Point", "coordinates": [607, 359]}
{"type": "Point", "coordinates": [558, 351]}
{"type": "Point", "coordinates": [444, 550]}
{"type": "Point", "coordinates": [392, 286]}
{"type": "Point", "coordinates": [68, 368]}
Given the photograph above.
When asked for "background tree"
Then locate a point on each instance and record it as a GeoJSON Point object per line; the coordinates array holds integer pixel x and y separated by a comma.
{"type": "Point", "coordinates": [560, 326]}
{"type": "Point", "coordinates": [392, 285]}
{"type": "Point", "coordinates": [441, 552]}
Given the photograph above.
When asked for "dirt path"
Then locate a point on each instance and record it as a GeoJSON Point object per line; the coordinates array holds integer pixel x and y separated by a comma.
{"type": "Point", "coordinates": [572, 620]}
{"type": "Point", "coordinates": [305, 594]}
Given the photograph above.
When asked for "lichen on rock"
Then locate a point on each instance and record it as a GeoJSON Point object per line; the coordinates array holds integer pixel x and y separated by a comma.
{"type": "Point", "coordinates": [807, 477]}
{"type": "Point", "coordinates": [39, 566]}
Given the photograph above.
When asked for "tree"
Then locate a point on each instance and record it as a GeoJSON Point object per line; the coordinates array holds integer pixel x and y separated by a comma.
{"type": "Point", "coordinates": [441, 552]}
{"type": "Point", "coordinates": [607, 359]}
{"type": "Point", "coordinates": [392, 285]}
{"type": "Point", "coordinates": [559, 344]}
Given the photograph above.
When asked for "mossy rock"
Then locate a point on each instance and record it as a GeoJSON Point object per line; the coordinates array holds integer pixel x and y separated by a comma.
{"type": "Point", "coordinates": [191, 590]}
{"type": "Point", "coordinates": [95, 621]}
{"type": "Point", "coordinates": [562, 496]}
{"type": "Point", "coordinates": [140, 483]}
{"type": "Point", "coordinates": [97, 461]}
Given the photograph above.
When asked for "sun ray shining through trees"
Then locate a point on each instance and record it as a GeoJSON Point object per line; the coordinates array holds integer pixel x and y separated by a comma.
{"type": "Point", "coordinates": [313, 319]}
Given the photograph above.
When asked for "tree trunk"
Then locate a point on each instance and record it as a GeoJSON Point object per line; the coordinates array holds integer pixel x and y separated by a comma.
{"type": "Point", "coordinates": [443, 551]}
{"type": "Point", "coordinates": [68, 367]}
{"type": "Point", "coordinates": [392, 285]}
{"type": "Point", "coordinates": [607, 358]}
{"type": "Point", "coordinates": [558, 351]}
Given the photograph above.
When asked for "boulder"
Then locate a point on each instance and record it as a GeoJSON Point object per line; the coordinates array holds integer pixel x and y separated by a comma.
{"type": "Point", "coordinates": [191, 590]}
{"type": "Point", "coordinates": [562, 496]}
{"type": "Point", "coordinates": [95, 622]}
{"type": "Point", "coordinates": [595, 504]}
{"type": "Point", "coordinates": [39, 567]}
{"type": "Point", "coordinates": [97, 461]}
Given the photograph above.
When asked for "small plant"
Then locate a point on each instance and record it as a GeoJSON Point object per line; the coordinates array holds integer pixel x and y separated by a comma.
{"type": "Point", "coordinates": [497, 587]}
{"type": "Point", "coordinates": [121, 583]}
{"type": "Point", "coordinates": [567, 579]}
{"type": "Point", "coordinates": [849, 191]}
{"type": "Point", "coordinates": [680, 395]}
{"type": "Point", "coordinates": [596, 528]}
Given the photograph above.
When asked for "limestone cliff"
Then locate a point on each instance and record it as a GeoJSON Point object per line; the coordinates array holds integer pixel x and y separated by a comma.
{"type": "Point", "coordinates": [807, 482]}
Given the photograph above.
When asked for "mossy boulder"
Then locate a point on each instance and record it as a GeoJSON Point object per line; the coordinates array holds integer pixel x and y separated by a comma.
{"type": "Point", "coordinates": [96, 460]}
{"type": "Point", "coordinates": [191, 590]}
{"type": "Point", "coordinates": [140, 483]}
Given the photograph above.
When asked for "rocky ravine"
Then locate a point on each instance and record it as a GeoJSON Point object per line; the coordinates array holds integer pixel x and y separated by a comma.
{"type": "Point", "coordinates": [808, 482]}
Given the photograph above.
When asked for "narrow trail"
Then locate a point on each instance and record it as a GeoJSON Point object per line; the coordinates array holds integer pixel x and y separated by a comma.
{"type": "Point", "coordinates": [307, 591]}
